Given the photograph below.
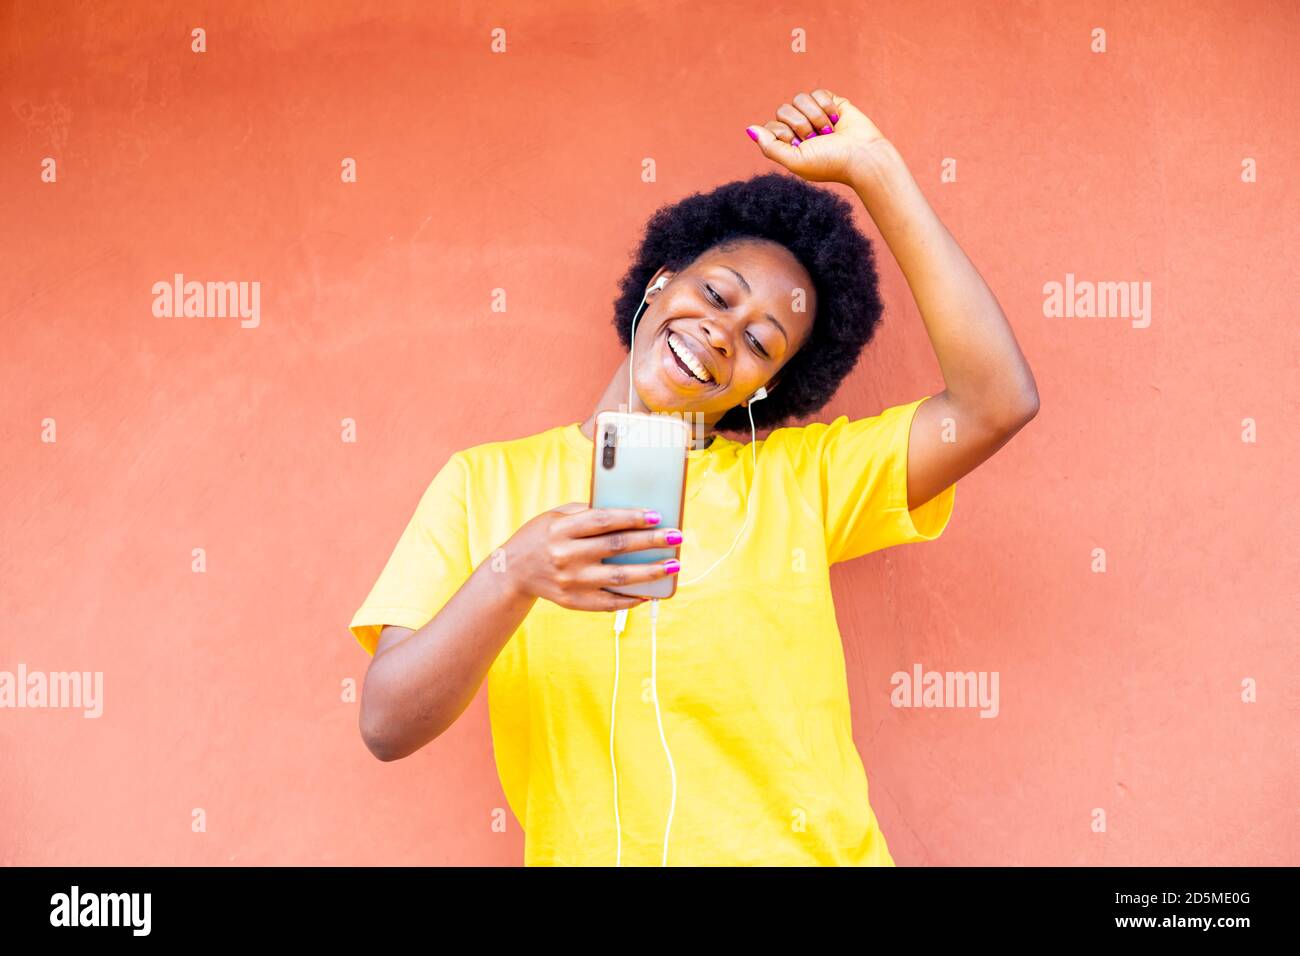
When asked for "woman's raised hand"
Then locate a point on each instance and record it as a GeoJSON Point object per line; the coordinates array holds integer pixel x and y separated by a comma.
{"type": "Point", "coordinates": [820, 137]}
{"type": "Point", "coordinates": [557, 555]}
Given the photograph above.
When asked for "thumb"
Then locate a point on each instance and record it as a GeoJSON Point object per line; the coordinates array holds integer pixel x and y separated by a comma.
{"type": "Point", "coordinates": [773, 147]}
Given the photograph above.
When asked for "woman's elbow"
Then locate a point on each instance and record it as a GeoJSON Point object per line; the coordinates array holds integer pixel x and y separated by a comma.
{"type": "Point", "coordinates": [1030, 406]}
{"type": "Point", "coordinates": [376, 726]}
{"type": "Point", "coordinates": [389, 737]}
{"type": "Point", "coordinates": [1010, 413]}
{"type": "Point", "coordinates": [376, 741]}
{"type": "Point", "coordinates": [1020, 407]}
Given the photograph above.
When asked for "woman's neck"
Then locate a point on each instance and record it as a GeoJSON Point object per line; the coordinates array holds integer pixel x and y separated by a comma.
{"type": "Point", "coordinates": [615, 400]}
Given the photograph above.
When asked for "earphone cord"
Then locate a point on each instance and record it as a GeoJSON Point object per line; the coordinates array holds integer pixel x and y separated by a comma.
{"type": "Point", "coordinates": [620, 622]}
{"type": "Point", "coordinates": [753, 433]}
{"type": "Point", "coordinates": [631, 335]}
{"type": "Point", "coordinates": [754, 451]}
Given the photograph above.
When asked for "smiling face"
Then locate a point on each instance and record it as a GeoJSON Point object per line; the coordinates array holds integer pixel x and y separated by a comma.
{"type": "Point", "coordinates": [722, 328]}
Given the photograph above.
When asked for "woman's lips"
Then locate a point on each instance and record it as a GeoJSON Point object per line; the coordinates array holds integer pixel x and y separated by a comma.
{"type": "Point", "coordinates": [673, 365]}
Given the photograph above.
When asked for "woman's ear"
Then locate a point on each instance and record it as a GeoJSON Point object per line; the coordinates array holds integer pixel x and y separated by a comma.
{"type": "Point", "coordinates": [769, 387]}
{"type": "Point", "coordinates": [658, 281]}
{"type": "Point", "coordinates": [767, 391]}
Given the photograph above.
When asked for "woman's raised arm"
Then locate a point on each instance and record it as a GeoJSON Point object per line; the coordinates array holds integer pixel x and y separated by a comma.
{"type": "Point", "coordinates": [989, 392]}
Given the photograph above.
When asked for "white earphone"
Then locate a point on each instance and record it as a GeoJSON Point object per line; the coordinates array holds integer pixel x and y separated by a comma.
{"type": "Point", "coordinates": [620, 618]}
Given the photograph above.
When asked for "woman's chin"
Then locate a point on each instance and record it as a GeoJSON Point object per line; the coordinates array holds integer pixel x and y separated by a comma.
{"type": "Point", "coordinates": [665, 388]}
{"type": "Point", "coordinates": [664, 403]}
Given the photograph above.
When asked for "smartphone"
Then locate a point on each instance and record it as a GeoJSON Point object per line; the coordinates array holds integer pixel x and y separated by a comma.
{"type": "Point", "coordinates": [639, 461]}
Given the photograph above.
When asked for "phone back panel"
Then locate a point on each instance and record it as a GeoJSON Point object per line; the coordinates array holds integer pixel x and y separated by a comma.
{"type": "Point", "coordinates": [648, 471]}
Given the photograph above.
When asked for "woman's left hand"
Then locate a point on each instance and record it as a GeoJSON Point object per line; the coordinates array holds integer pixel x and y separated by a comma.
{"type": "Point", "coordinates": [819, 137]}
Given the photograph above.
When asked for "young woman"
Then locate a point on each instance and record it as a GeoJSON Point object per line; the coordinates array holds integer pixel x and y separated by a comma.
{"type": "Point", "coordinates": [726, 739]}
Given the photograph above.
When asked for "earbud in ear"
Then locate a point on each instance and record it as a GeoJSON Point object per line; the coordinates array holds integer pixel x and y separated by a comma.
{"type": "Point", "coordinates": [663, 281]}
{"type": "Point", "coordinates": [761, 393]}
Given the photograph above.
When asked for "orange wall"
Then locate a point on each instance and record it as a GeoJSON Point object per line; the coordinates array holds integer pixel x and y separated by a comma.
{"type": "Point", "coordinates": [1119, 691]}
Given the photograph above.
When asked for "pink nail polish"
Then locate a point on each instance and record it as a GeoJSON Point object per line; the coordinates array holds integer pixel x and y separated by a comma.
{"type": "Point", "coordinates": [835, 118]}
{"type": "Point", "coordinates": [653, 517]}
{"type": "Point", "coordinates": [672, 566]}
{"type": "Point", "coordinates": [752, 134]}
{"type": "Point", "coordinates": [796, 141]}
{"type": "Point", "coordinates": [673, 537]}
{"type": "Point", "coordinates": [826, 129]}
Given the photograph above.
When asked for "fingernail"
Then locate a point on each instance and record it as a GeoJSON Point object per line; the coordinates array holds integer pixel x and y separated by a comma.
{"type": "Point", "coordinates": [653, 517]}
{"type": "Point", "coordinates": [752, 134]}
{"type": "Point", "coordinates": [826, 129]}
{"type": "Point", "coordinates": [673, 537]}
{"type": "Point", "coordinates": [672, 566]}
{"type": "Point", "coordinates": [835, 118]}
{"type": "Point", "coordinates": [796, 141]}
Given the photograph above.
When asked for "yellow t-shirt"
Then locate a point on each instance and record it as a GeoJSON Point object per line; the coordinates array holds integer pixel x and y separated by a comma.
{"type": "Point", "coordinates": [750, 666]}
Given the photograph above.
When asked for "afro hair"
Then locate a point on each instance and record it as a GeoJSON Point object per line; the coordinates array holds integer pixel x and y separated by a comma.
{"type": "Point", "coordinates": [817, 227]}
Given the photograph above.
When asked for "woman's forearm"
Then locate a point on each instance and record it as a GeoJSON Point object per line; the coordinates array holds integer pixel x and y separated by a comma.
{"type": "Point", "coordinates": [420, 681]}
{"type": "Point", "coordinates": [983, 368]}
{"type": "Point", "coordinates": [416, 689]}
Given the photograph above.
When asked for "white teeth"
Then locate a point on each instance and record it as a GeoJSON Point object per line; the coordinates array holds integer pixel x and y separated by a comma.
{"type": "Point", "coordinates": [688, 357]}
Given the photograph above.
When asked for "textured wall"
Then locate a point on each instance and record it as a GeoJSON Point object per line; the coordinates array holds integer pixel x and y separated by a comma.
{"type": "Point", "coordinates": [520, 170]}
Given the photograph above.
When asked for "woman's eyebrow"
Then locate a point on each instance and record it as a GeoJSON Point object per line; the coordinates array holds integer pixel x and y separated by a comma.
{"type": "Point", "coordinates": [748, 291]}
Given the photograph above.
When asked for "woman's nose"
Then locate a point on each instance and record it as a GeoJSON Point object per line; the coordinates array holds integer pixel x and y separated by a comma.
{"type": "Point", "coordinates": [716, 337]}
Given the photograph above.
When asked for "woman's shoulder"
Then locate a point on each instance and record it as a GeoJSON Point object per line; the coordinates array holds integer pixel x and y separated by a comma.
{"type": "Point", "coordinates": [522, 447]}
{"type": "Point", "coordinates": [791, 439]}
{"type": "Point", "coordinates": [811, 440]}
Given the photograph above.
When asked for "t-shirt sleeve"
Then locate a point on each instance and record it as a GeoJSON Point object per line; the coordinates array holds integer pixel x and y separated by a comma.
{"type": "Point", "coordinates": [429, 564]}
{"type": "Point", "coordinates": [863, 485]}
